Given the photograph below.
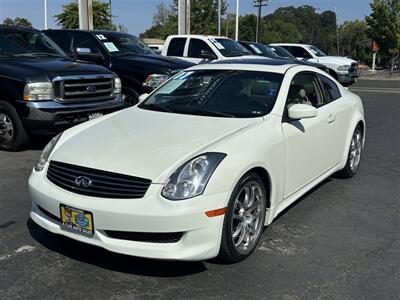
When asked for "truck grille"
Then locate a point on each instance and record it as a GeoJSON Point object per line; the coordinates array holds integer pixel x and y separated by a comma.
{"type": "Point", "coordinates": [84, 88]}
{"type": "Point", "coordinates": [96, 183]}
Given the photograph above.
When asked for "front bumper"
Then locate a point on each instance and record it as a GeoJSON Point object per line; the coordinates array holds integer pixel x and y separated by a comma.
{"type": "Point", "coordinates": [150, 214]}
{"type": "Point", "coordinates": [347, 77]}
{"type": "Point", "coordinates": [51, 117]}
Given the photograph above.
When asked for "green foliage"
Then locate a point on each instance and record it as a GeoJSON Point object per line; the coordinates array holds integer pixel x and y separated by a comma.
{"type": "Point", "coordinates": [69, 18]}
{"type": "Point", "coordinates": [18, 21]}
{"type": "Point", "coordinates": [204, 17]}
{"type": "Point", "coordinates": [354, 40]}
{"type": "Point", "coordinates": [384, 26]}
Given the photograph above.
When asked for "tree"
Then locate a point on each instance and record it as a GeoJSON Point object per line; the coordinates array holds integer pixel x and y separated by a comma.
{"type": "Point", "coordinates": [354, 40]}
{"type": "Point", "coordinates": [69, 18]}
{"type": "Point", "coordinates": [384, 27]}
{"type": "Point", "coordinates": [203, 18]}
{"type": "Point", "coordinates": [18, 21]}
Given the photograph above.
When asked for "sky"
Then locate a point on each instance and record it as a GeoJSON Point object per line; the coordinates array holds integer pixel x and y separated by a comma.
{"type": "Point", "coordinates": [136, 15]}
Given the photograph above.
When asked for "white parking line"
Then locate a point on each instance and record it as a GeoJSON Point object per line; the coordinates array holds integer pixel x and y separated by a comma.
{"type": "Point", "coordinates": [20, 250]}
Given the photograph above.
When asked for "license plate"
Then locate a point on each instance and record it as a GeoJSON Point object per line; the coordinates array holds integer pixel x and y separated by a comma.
{"type": "Point", "coordinates": [76, 220]}
{"type": "Point", "coordinates": [95, 116]}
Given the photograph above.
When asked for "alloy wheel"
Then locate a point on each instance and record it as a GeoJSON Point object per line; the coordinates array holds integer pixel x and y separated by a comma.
{"type": "Point", "coordinates": [355, 150]}
{"type": "Point", "coordinates": [6, 128]}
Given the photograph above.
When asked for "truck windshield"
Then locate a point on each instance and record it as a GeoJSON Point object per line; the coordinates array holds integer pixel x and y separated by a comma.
{"type": "Point", "coordinates": [262, 50]}
{"type": "Point", "coordinates": [317, 51]}
{"type": "Point", "coordinates": [19, 43]}
{"type": "Point", "coordinates": [229, 48]}
{"type": "Point", "coordinates": [122, 43]}
{"type": "Point", "coordinates": [217, 93]}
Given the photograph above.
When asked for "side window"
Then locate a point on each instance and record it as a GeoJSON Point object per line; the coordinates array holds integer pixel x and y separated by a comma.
{"type": "Point", "coordinates": [85, 41]}
{"type": "Point", "coordinates": [61, 39]}
{"type": "Point", "coordinates": [304, 89]}
{"type": "Point", "coordinates": [299, 52]}
{"type": "Point", "coordinates": [176, 47]}
{"type": "Point", "coordinates": [331, 90]}
{"type": "Point", "coordinates": [197, 47]}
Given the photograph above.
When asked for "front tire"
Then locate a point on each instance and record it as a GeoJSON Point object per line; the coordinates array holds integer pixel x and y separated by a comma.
{"type": "Point", "coordinates": [12, 133]}
{"type": "Point", "coordinates": [244, 220]}
{"type": "Point", "coordinates": [130, 96]}
{"type": "Point", "coordinates": [354, 155]}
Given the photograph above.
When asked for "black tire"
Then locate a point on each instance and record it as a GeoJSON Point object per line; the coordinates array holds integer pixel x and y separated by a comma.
{"type": "Point", "coordinates": [350, 171]}
{"type": "Point", "coordinates": [228, 251]}
{"type": "Point", "coordinates": [19, 137]}
{"type": "Point", "coordinates": [130, 96]}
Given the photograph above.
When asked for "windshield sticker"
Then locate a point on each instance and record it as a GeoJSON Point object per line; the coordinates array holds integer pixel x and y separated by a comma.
{"type": "Point", "coordinates": [111, 47]}
{"type": "Point", "coordinates": [258, 51]}
{"type": "Point", "coordinates": [101, 37]}
{"type": "Point", "coordinates": [216, 44]}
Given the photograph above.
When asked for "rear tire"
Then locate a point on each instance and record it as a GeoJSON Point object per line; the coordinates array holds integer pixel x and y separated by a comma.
{"type": "Point", "coordinates": [354, 155]}
{"type": "Point", "coordinates": [244, 220]}
{"type": "Point", "coordinates": [12, 133]}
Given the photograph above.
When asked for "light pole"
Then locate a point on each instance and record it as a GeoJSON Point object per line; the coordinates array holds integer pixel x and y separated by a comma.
{"type": "Point", "coordinates": [109, 6]}
{"type": "Point", "coordinates": [45, 14]}
{"type": "Point", "coordinates": [219, 17]}
{"type": "Point", "coordinates": [259, 4]}
{"type": "Point", "coordinates": [237, 21]}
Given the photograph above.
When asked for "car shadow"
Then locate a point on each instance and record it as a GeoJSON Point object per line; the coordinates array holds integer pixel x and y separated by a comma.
{"type": "Point", "coordinates": [111, 261]}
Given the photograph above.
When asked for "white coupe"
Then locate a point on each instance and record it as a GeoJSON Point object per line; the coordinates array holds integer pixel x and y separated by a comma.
{"type": "Point", "coordinates": [201, 165]}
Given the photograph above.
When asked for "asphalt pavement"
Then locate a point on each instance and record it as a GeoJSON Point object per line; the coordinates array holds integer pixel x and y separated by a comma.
{"type": "Point", "coordinates": [339, 241]}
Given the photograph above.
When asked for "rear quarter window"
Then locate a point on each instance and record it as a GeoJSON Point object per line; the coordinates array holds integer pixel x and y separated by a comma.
{"type": "Point", "coordinates": [331, 90]}
{"type": "Point", "coordinates": [176, 47]}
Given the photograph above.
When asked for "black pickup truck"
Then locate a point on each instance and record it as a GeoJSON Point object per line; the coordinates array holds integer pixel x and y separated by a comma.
{"type": "Point", "coordinates": [140, 68]}
{"type": "Point", "coordinates": [42, 91]}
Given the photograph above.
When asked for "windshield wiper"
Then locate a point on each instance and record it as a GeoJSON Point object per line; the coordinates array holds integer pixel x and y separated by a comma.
{"type": "Point", "coordinates": [203, 112]}
{"type": "Point", "coordinates": [156, 107]}
{"type": "Point", "coordinates": [39, 54]}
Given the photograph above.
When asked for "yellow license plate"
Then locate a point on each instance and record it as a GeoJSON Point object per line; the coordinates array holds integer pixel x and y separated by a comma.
{"type": "Point", "coordinates": [76, 220]}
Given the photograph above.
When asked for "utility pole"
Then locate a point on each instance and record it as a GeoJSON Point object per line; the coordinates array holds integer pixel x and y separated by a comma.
{"type": "Point", "coordinates": [45, 14]}
{"type": "Point", "coordinates": [259, 4]}
{"type": "Point", "coordinates": [85, 8]}
{"type": "Point", "coordinates": [337, 33]}
{"type": "Point", "coordinates": [237, 21]}
{"type": "Point", "coordinates": [109, 6]}
{"type": "Point", "coordinates": [219, 17]}
{"type": "Point", "coordinates": [183, 16]}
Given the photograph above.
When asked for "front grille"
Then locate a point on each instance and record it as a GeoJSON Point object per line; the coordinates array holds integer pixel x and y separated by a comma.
{"type": "Point", "coordinates": [353, 69]}
{"type": "Point", "coordinates": [100, 183]}
{"type": "Point", "coordinates": [86, 88]}
{"type": "Point", "coordinates": [147, 237]}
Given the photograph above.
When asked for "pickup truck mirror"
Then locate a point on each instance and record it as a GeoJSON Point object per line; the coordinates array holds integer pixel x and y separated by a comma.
{"type": "Point", "coordinates": [206, 54]}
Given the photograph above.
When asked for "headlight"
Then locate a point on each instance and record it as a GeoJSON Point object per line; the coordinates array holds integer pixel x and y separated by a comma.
{"type": "Point", "coordinates": [38, 91]}
{"type": "Point", "coordinates": [155, 80]}
{"type": "Point", "coordinates": [192, 177]}
{"type": "Point", "coordinates": [344, 68]}
{"type": "Point", "coordinates": [117, 86]}
{"type": "Point", "coordinates": [44, 156]}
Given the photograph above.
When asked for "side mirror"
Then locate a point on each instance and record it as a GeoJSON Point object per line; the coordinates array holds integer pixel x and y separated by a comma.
{"type": "Point", "coordinates": [83, 50]}
{"type": "Point", "coordinates": [143, 97]}
{"type": "Point", "coordinates": [206, 54]}
{"type": "Point", "coordinates": [302, 111]}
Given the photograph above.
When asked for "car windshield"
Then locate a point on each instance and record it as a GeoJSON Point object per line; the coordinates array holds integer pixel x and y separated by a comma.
{"type": "Point", "coordinates": [229, 48]}
{"type": "Point", "coordinates": [282, 52]}
{"type": "Point", "coordinates": [317, 51]}
{"type": "Point", "coordinates": [217, 93]}
{"type": "Point", "coordinates": [123, 43]}
{"type": "Point", "coordinates": [262, 50]}
{"type": "Point", "coordinates": [19, 43]}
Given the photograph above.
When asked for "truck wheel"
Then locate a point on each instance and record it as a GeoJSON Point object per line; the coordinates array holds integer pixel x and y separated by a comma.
{"type": "Point", "coordinates": [130, 96]}
{"type": "Point", "coordinates": [12, 133]}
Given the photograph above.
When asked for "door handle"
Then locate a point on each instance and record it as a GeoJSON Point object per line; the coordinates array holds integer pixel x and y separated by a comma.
{"type": "Point", "coordinates": [331, 118]}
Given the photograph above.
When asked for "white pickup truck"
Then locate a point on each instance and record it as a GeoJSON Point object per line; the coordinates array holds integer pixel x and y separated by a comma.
{"type": "Point", "coordinates": [344, 69]}
{"type": "Point", "coordinates": [204, 48]}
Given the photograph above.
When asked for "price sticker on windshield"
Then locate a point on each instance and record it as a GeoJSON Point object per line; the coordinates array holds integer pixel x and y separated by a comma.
{"type": "Point", "coordinates": [216, 43]}
{"type": "Point", "coordinates": [101, 37]}
{"type": "Point", "coordinates": [111, 47]}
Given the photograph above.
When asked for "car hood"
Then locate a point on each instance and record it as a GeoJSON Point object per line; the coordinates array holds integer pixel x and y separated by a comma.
{"type": "Point", "coordinates": [145, 143]}
{"type": "Point", "coordinates": [157, 60]}
{"type": "Point", "coordinates": [33, 68]}
{"type": "Point", "coordinates": [337, 60]}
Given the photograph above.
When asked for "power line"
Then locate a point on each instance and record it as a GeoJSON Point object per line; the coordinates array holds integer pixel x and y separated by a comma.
{"type": "Point", "coordinates": [259, 4]}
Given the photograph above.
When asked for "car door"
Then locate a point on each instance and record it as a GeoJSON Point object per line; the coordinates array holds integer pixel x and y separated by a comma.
{"type": "Point", "coordinates": [309, 143]}
{"type": "Point", "coordinates": [199, 51]}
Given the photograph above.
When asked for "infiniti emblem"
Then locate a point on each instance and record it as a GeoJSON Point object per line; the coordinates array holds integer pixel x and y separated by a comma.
{"type": "Point", "coordinates": [83, 181]}
{"type": "Point", "coordinates": [91, 88]}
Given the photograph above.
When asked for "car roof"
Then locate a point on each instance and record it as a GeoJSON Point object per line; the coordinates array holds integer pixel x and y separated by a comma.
{"type": "Point", "coordinates": [273, 65]}
{"type": "Point", "coordinates": [289, 44]}
{"type": "Point", "coordinates": [21, 28]}
{"type": "Point", "coordinates": [197, 36]}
